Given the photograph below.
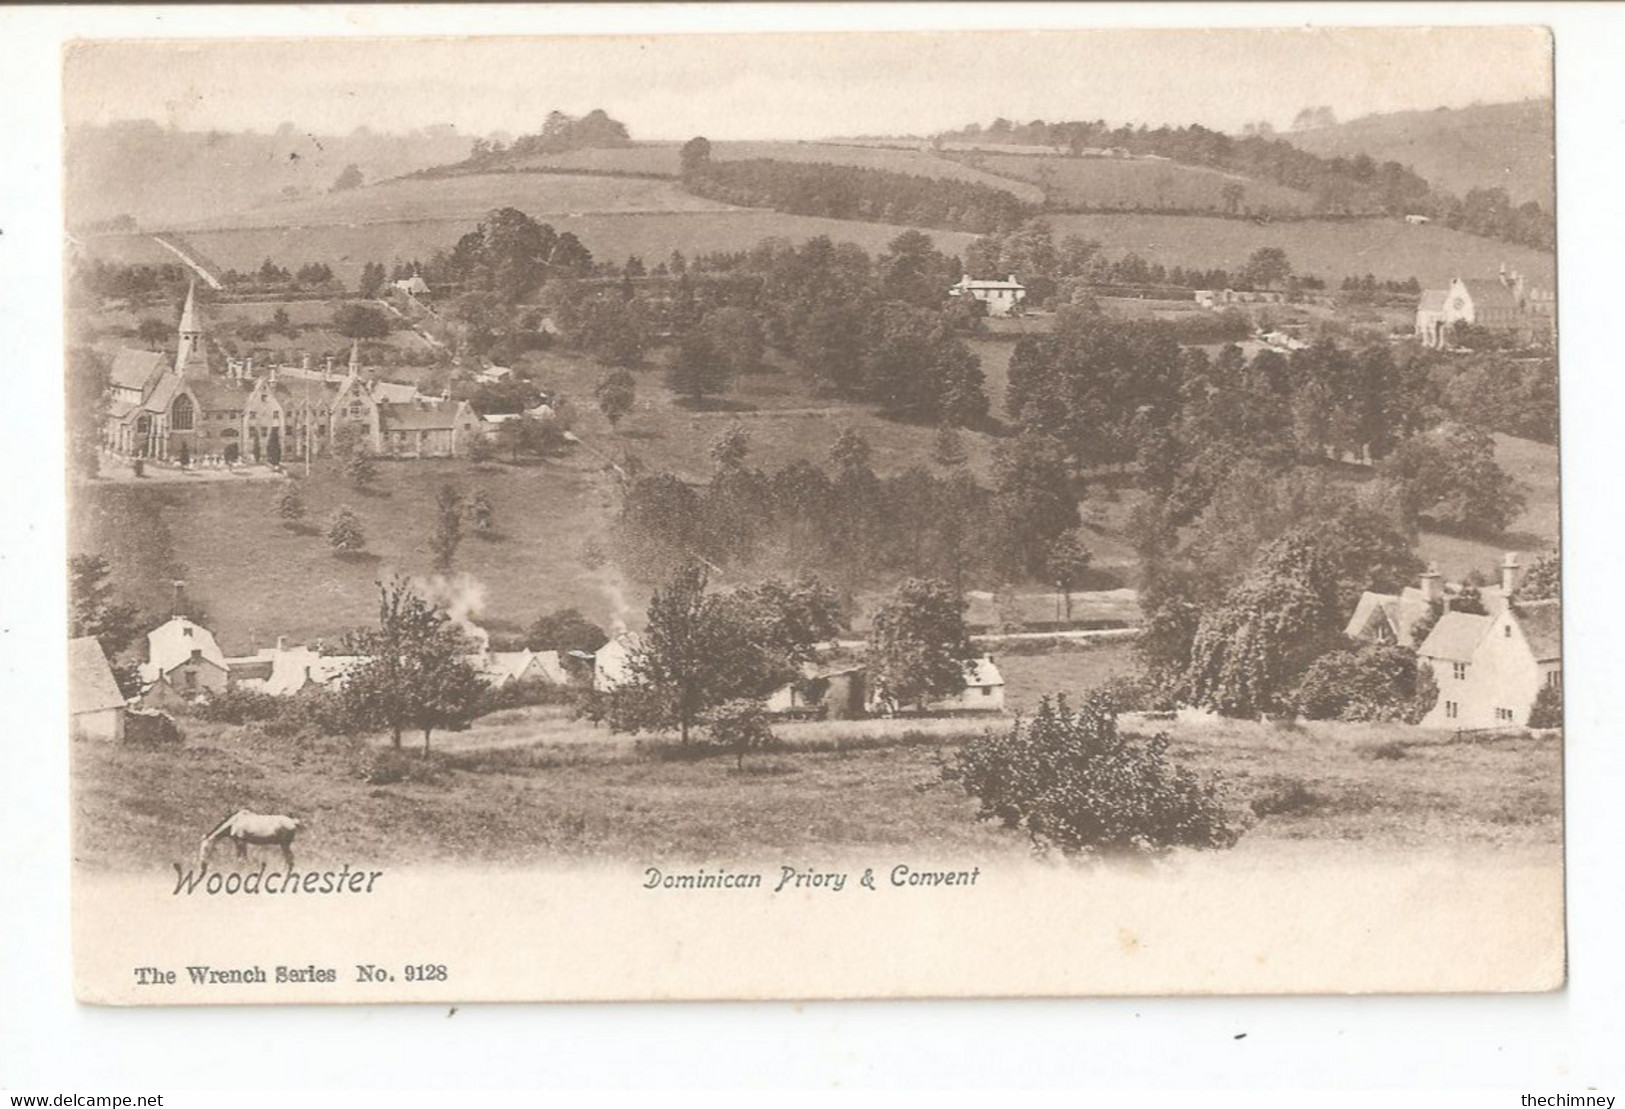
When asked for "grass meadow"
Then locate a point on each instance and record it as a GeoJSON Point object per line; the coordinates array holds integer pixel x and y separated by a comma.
{"type": "Point", "coordinates": [531, 786]}
{"type": "Point", "coordinates": [1138, 183]}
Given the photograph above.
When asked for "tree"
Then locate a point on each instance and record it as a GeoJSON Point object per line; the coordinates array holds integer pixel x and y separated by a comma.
{"type": "Point", "coordinates": [947, 449]}
{"type": "Point", "coordinates": [1065, 561]}
{"type": "Point", "coordinates": [1542, 581]}
{"type": "Point", "coordinates": [616, 392]}
{"type": "Point", "coordinates": [680, 668]}
{"type": "Point", "coordinates": [695, 155]}
{"type": "Point", "coordinates": [344, 532]}
{"type": "Point", "coordinates": [741, 725]}
{"type": "Point", "coordinates": [736, 339]}
{"type": "Point", "coordinates": [373, 279]}
{"type": "Point", "coordinates": [1250, 650]}
{"type": "Point", "coordinates": [93, 608]}
{"type": "Point", "coordinates": [414, 672]}
{"type": "Point", "coordinates": [1451, 477]}
{"type": "Point", "coordinates": [481, 449]}
{"type": "Point", "coordinates": [565, 629]}
{"type": "Point", "coordinates": [273, 448]}
{"type": "Point", "coordinates": [290, 505]}
{"type": "Point", "coordinates": [1267, 267]}
{"type": "Point", "coordinates": [87, 376]}
{"type": "Point", "coordinates": [918, 645]}
{"type": "Point", "coordinates": [1548, 708]}
{"type": "Point", "coordinates": [361, 469]}
{"type": "Point", "coordinates": [448, 530]}
{"type": "Point", "coordinates": [350, 178]}
{"type": "Point", "coordinates": [361, 321]}
{"type": "Point", "coordinates": [153, 333]}
{"type": "Point", "coordinates": [1071, 781]}
{"type": "Point", "coordinates": [699, 369]}
{"type": "Point", "coordinates": [1035, 499]}
{"type": "Point", "coordinates": [483, 515]}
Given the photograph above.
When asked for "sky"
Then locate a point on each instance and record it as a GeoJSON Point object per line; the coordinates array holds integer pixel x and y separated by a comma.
{"type": "Point", "coordinates": [803, 86]}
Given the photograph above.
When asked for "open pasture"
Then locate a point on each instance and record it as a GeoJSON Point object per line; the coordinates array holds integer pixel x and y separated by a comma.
{"type": "Point", "coordinates": [1139, 183]}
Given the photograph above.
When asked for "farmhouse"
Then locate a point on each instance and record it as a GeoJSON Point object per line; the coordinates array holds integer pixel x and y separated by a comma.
{"type": "Point", "coordinates": [612, 665]}
{"type": "Point", "coordinates": [1393, 617]}
{"type": "Point", "coordinates": [1504, 303]}
{"type": "Point", "coordinates": [1001, 297]}
{"type": "Point", "coordinates": [95, 705]}
{"type": "Point", "coordinates": [833, 692]}
{"type": "Point", "coordinates": [183, 663]}
{"type": "Point", "coordinates": [284, 671]}
{"type": "Point", "coordinates": [1490, 669]}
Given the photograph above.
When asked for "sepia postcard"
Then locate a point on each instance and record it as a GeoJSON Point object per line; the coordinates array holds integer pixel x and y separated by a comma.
{"type": "Point", "coordinates": [814, 515]}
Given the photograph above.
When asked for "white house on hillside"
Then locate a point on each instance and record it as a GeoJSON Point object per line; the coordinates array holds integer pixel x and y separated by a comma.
{"type": "Point", "coordinates": [183, 660]}
{"type": "Point", "coordinates": [1001, 297]}
{"type": "Point", "coordinates": [1490, 669]}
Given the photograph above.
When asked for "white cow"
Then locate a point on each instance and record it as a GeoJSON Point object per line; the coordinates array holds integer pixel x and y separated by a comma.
{"type": "Point", "coordinates": [243, 828]}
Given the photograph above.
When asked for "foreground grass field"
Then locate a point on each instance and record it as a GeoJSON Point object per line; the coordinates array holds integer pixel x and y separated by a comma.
{"type": "Point", "coordinates": [1382, 788]}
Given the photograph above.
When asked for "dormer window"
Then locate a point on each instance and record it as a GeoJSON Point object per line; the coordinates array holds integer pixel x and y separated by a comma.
{"type": "Point", "coordinates": [186, 630]}
{"type": "Point", "coordinates": [1506, 631]}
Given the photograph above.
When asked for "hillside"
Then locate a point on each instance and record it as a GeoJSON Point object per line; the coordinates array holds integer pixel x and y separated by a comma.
{"type": "Point", "coordinates": [1487, 145]}
{"type": "Point", "coordinates": [1141, 183]}
{"type": "Point", "coordinates": [162, 177]}
{"type": "Point", "coordinates": [1387, 248]}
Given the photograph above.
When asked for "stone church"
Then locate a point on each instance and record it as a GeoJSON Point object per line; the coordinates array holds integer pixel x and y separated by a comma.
{"type": "Point", "coordinates": [189, 410]}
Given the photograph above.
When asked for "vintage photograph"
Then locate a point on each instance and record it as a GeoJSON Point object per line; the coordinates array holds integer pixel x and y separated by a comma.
{"type": "Point", "coordinates": [946, 514]}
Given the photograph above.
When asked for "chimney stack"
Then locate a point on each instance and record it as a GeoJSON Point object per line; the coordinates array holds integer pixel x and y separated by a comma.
{"type": "Point", "coordinates": [1509, 573]}
{"type": "Point", "coordinates": [327, 368]}
{"type": "Point", "coordinates": [281, 644]}
{"type": "Point", "coordinates": [179, 608]}
{"type": "Point", "coordinates": [1432, 585]}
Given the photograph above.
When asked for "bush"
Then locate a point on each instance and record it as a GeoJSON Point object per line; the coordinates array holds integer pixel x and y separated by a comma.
{"type": "Point", "coordinates": [1548, 710]}
{"type": "Point", "coordinates": [237, 706]}
{"type": "Point", "coordinates": [741, 726]}
{"type": "Point", "coordinates": [1285, 797]}
{"type": "Point", "coordinates": [1373, 683]}
{"type": "Point", "coordinates": [1071, 781]}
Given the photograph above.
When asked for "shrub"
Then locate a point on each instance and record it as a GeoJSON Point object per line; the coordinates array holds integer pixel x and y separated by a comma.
{"type": "Point", "coordinates": [1285, 797]}
{"type": "Point", "coordinates": [1548, 710]}
{"type": "Point", "coordinates": [1373, 683]}
{"type": "Point", "coordinates": [741, 726]}
{"type": "Point", "coordinates": [1071, 781]}
{"type": "Point", "coordinates": [237, 706]}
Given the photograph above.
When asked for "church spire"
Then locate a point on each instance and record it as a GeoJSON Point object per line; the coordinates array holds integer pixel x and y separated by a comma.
{"type": "Point", "coordinates": [191, 334]}
{"type": "Point", "coordinates": [355, 357]}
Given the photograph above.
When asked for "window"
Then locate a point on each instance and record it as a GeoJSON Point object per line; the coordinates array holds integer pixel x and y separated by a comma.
{"type": "Point", "coordinates": [1458, 671]}
{"type": "Point", "coordinates": [180, 414]}
{"type": "Point", "coordinates": [987, 691]}
{"type": "Point", "coordinates": [1554, 679]}
{"type": "Point", "coordinates": [189, 679]}
{"type": "Point", "coordinates": [186, 630]}
{"type": "Point", "coordinates": [1451, 709]}
{"type": "Point", "coordinates": [1503, 715]}
{"type": "Point", "coordinates": [1506, 631]}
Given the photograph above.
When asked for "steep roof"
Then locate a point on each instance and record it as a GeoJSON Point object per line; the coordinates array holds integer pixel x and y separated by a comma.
{"type": "Point", "coordinates": [1400, 611]}
{"type": "Point", "coordinates": [1455, 637]}
{"type": "Point", "coordinates": [393, 392]}
{"type": "Point", "coordinates": [136, 369]}
{"type": "Point", "coordinates": [981, 671]}
{"type": "Point", "coordinates": [1542, 625]}
{"type": "Point", "coordinates": [420, 416]}
{"type": "Point", "coordinates": [164, 392]}
{"type": "Point", "coordinates": [172, 643]}
{"type": "Point", "coordinates": [1488, 293]}
{"type": "Point", "coordinates": [1433, 300]}
{"type": "Point", "coordinates": [189, 313]}
{"type": "Point", "coordinates": [218, 394]}
{"type": "Point", "coordinates": [91, 685]}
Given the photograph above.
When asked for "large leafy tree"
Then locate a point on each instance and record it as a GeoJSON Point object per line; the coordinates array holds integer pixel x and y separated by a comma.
{"type": "Point", "coordinates": [94, 608]}
{"type": "Point", "coordinates": [918, 644]}
{"type": "Point", "coordinates": [1249, 650]}
{"type": "Point", "coordinates": [414, 672]}
{"type": "Point", "coordinates": [1451, 477]}
{"type": "Point", "coordinates": [1035, 499]}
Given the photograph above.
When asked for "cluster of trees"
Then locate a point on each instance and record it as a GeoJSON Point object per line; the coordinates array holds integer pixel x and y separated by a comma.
{"type": "Point", "coordinates": [846, 524]}
{"type": "Point", "coordinates": [509, 255]}
{"type": "Point", "coordinates": [856, 193]}
{"type": "Point", "coordinates": [559, 133]}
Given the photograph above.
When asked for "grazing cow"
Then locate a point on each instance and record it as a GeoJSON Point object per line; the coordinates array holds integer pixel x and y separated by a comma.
{"type": "Point", "coordinates": [243, 828]}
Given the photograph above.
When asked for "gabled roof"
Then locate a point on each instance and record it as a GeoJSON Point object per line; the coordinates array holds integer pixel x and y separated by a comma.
{"type": "Point", "coordinates": [420, 415]}
{"type": "Point", "coordinates": [1400, 611]}
{"type": "Point", "coordinates": [981, 671]}
{"type": "Point", "coordinates": [1455, 637]}
{"type": "Point", "coordinates": [393, 392]}
{"type": "Point", "coordinates": [164, 392]}
{"type": "Point", "coordinates": [136, 369]}
{"type": "Point", "coordinates": [1433, 300]}
{"type": "Point", "coordinates": [91, 685]}
{"type": "Point", "coordinates": [976, 283]}
{"type": "Point", "coordinates": [217, 394]}
{"type": "Point", "coordinates": [1542, 626]}
{"type": "Point", "coordinates": [1489, 293]}
{"type": "Point", "coordinates": [172, 643]}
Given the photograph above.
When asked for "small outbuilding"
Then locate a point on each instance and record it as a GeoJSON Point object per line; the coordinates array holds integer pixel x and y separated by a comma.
{"type": "Point", "coordinates": [96, 708]}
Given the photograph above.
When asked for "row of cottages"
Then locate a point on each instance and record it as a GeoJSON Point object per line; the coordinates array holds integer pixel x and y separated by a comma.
{"type": "Point", "coordinates": [841, 692]}
{"type": "Point", "coordinates": [1504, 303]}
{"type": "Point", "coordinates": [1001, 297]}
{"type": "Point", "coordinates": [163, 410]}
{"type": "Point", "coordinates": [185, 664]}
{"type": "Point", "coordinates": [1489, 667]}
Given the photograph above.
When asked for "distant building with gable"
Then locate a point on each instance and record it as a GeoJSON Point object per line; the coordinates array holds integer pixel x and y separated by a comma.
{"type": "Point", "coordinates": [1001, 297]}
{"type": "Point", "coordinates": [1504, 303]}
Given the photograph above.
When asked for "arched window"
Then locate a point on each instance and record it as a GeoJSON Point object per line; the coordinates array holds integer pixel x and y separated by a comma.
{"type": "Point", "coordinates": [180, 414]}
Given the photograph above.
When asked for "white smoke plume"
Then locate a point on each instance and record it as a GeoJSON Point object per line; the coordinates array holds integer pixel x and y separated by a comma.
{"type": "Point", "coordinates": [610, 583]}
{"type": "Point", "coordinates": [462, 598]}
